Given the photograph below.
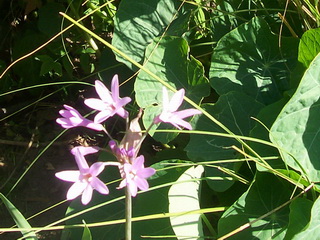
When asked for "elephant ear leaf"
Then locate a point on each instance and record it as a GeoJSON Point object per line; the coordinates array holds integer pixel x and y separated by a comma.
{"type": "Point", "coordinates": [137, 23]}
{"type": "Point", "coordinates": [296, 129]}
{"type": "Point", "coordinates": [248, 60]}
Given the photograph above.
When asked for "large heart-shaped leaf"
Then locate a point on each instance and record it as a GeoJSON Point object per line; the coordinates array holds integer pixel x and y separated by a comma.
{"type": "Point", "coordinates": [234, 110]}
{"type": "Point", "coordinates": [248, 59]}
{"type": "Point", "coordinates": [296, 130]}
{"type": "Point", "coordinates": [137, 23]}
{"type": "Point", "coordinates": [265, 194]}
{"type": "Point", "coordinates": [299, 217]}
{"type": "Point", "coordinates": [169, 59]}
{"type": "Point", "coordinates": [312, 231]}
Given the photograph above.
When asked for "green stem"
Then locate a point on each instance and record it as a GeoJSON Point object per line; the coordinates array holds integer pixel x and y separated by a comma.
{"type": "Point", "coordinates": [128, 225]}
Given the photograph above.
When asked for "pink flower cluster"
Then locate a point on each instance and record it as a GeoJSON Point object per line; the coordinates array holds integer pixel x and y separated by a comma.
{"type": "Point", "coordinates": [131, 166]}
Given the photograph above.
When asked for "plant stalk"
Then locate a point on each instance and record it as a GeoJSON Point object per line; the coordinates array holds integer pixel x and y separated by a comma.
{"type": "Point", "coordinates": [128, 224]}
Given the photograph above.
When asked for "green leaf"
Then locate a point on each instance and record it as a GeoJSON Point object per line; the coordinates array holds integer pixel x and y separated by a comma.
{"type": "Point", "coordinates": [309, 46]}
{"type": "Point", "coordinates": [184, 197]}
{"type": "Point", "coordinates": [49, 65]}
{"type": "Point", "coordinates": [248, 60]}
{"type": "Point", "coordinates": [19, 219]}
{"type": "Point", "coordinates": [234, 111]}
{"type": "Point", "coordinates": [265, 194]}
{"type": "Point", "coordinates": [296, 129]}
{"type": "Point", "coordinates": [267, 116]}
{"type": "Point", "coordinates": [300, 212]}
{"type": "Point", "coordinates": [170, 61]}
{"type": "Point", "coordinates": [137, 23]}
{"type": "Point", "coordinates": [223, 19]}
{"type": "Point", "coordinates": [86, 235]}
{"type": "Point", "coordinates": [312, 231]}
{"type": "Point", "coordinates": [50, 21]}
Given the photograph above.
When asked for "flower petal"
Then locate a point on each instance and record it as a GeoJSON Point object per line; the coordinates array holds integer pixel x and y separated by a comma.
{"type": "Point", "coordinates": [146, 172]}
{"type": "Point", "coordinates": [122, 113]}
{"type": "Point", "coordinates": [65, 113]}
{"type": "Point", "coordinates": [176, 100]}
{"type": "Point", "coordinates": [103, 92]}
{"type": "Point", "coordinates": [142, 184]}
{"type": "Point", "coordinates": [95, 103]}
{"type": "Point", "coordinates": [115, 88]}
{"type": "Point", "coordinates": [84, 150]}
{"type": "Point", "coordinates": [138, 163]}
{"type": "Point", "coordinates": [87, 195]}
{"type": "Point", "coordinates": [132, 188]}
{"type": "Point", "coordinates": [165, 99]}
{"type": "Point", "coordinates": [97, 184]}
{"type": "Point", "coordinates": [187, 113]}
{"type": "Point", "coordinates": [69, 176]}
{"type": "Point", "coordinates": [93, 125]}
{"type": "Point", "coordinates": [122, 101]}
{"type": "Point", "coordinates": [104, 115]}
{"type": "Point", "coordinates": [96, 168]}
{"type": "Point", "coordinates": [80, 160]}
{"type": "Point", "coordinates": [177, 121]}
{"type": "Point", "coordinates": [76, 189]}
{"type": "Point", "coordinates": [122, 184]}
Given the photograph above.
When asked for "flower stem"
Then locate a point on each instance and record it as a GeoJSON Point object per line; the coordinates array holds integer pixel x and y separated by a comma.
{"type": "Point", "coordinates": [128, 225]}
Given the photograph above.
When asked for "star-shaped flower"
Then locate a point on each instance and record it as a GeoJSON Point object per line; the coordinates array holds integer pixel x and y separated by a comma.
{"type": "Point", "coordinates": [109, 103]}
{"type": "Point", "coordinates": [72, 118]}
{"type": "Point", "coordinates": [85, 180]}
{"type": "Point", "coordinates": [135, 175]}
{"type": "Point", "coordinates": [169, 112]}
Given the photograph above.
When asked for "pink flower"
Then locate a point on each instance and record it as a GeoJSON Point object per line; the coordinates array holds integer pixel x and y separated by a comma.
{"type": "Point", "coordinates": [169, 112]}
{"type": "Point", "coordinates": [109, 104]}
{"type": "Point", "coordinates": [85, 180]}
{"type": "Point", "coordinates": [72, 118]}
{"type": "Point", "coordinates": [123, 155]}
{"type": "Point", "coordinates": [135, 175]}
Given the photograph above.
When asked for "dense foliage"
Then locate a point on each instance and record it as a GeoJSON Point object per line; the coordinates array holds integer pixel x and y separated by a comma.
{"type": "Point", "coordinates": [248, 169]}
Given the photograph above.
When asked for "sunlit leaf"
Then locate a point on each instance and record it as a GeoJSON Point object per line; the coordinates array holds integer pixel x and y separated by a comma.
{"type": "Point", "coordinates": [309, 46]}
{"type": "Point", "coordinates": [296, 129]}
{"type": "Point", "coordinates": [184, 197]}
{"type": "Point", "coordinates": [137, 23]}
{"type": "Point", "coordinates": [248, 60]}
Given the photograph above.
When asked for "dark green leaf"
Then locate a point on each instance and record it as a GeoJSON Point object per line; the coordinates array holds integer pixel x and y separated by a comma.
{"type": "Point", "coordinates": [137, 23]}
{"type": "Point", "coordinates": [265, 194]}
{"type": "Point", "coordinates": [312, 230]}
{"type": "Point", "coordinates": [248, 60]}
{"type": "Point", "coordinates": [299, 217]}
{"type": "Point", "coordinates": [234, 111]}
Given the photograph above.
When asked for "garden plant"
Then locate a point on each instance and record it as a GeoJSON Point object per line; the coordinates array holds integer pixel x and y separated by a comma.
{"type": "Point", "coordinates": [160, 119]}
